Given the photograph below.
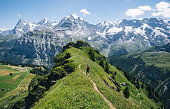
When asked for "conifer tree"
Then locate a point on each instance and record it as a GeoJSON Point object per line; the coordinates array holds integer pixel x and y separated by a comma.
{"type": "Point", "coordinates": [137, 85]}
{"type": "Point", "coordinates": [142, 86]}
{"type": "Point", "coordinates": [102, 62]}
{"type": "Point", "coordinates": [115, 73]}
{"type": "Point", "coordinates": [92, 55]}
{"type": "Point", "coordinates": [107, 67]}
{"type": "Point", "coordinates": [126, 92]}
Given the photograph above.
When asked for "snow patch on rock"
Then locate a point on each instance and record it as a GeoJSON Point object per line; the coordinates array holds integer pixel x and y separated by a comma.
{"type": "Point", "coordinates": [114, 30]}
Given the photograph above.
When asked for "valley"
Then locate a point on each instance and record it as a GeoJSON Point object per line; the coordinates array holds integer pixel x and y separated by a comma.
{"type": "Point", "coordinates": [151, 66]}
{"type": "Point", "coordinates": [14, 88]}
{"type": "Point", "coordinates": [10, 77]}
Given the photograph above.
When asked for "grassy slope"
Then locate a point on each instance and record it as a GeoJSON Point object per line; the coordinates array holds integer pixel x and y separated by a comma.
{"type": "Point", "coordinates": [160, 60]}
{"type": "Point", "coordinates": [18, 89]}
{"type": "Point", "coordinates": [6, 81]}
{"type": "Point", "coordinates": [76, 91]}
{"type": "Point", "coordinates": [18, 94]}
{"type": "Point", "coordinates": [154, 63]}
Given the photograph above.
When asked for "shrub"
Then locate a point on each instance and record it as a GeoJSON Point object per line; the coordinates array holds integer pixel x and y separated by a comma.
{"type": "Point", "coordinates": [71, 44]}
{"type": "Point", "coordinates": [92, 55]}
{"type": "Point", "coordinates": [57, 73]}
{"type": "Point", "coordinates": [19, 104]}
{"type": "Point", "coordinates": [106, 67]}
{"type": "Point", "coordinates": [69, 67]}
{"type": "Point", "coordinates": [81, 44]}
{"type": "Point", "coordinates": [115, 73]}
{"type": "Point", "coordinates": [126, 92]}
{"type": "Point", "coordinates": [101, 63]}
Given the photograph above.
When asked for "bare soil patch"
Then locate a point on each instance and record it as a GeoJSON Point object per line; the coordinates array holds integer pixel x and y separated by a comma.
{"type": "Point", "coordinates": [16, 76]}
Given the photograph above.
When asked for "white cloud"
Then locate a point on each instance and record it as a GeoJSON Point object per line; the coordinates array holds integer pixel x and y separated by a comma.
{"type": "Point", "coordinates": [162, 9]}
{"type": "Point", "coordinates": [84, 11]}
{"type": "Point", "coordinates": [145, 8]}
{"type": "Point", "coordinates": [134, 12]}
{"type": "Point", "coordinates": [162, 6]}
{"type": "Point", "coordinates": [137, 11]}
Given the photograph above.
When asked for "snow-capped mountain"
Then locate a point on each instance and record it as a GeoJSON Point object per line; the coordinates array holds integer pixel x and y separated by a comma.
{"type": "Point", "coordinates": [124, 34]}
{"type": "Point", "coordinates": [3, 29]}
{"type": "Point", "coordinates": [74, 26]}
{"type": "Point", "coordinates": [24, 26]}
{"type": "Point", "coordinates": [111, 38]}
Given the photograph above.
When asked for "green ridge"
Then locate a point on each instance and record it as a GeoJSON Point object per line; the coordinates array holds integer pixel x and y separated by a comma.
{"type": "Point", "coordinates": [76, 90]}
{"type": "Point", "coordinates": [65, 86]}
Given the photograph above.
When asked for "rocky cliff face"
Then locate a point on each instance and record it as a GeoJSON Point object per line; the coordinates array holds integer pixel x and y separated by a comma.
{"type": "Point", "coordinates": [37, 42]}
{"type": "Point", "coordinates": [36, 47]}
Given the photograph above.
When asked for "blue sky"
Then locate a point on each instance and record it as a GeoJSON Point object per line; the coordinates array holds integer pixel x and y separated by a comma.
{"type": "Point", "coordinates": [99, 10]}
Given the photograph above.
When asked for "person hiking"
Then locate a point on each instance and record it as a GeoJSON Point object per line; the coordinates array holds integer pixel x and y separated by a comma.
{"type": "Point", "coordinates": [87, 70]}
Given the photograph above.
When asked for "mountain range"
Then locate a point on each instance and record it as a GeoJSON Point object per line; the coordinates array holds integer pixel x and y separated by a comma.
{"type": "Point", "coordinates": [38, 42]}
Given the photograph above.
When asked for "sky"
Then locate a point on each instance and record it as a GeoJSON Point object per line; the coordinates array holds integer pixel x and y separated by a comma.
{"type": "Point", "coordinates": [92, 11]}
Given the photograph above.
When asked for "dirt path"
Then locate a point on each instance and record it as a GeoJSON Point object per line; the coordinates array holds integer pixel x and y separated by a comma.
{"type": "Point", "coordinates": [16, 76]}
{"type": "Point", "coordinates": [95, 88]}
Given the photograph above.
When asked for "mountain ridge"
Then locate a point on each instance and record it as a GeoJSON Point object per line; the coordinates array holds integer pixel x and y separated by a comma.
{"type": "Point", "coordinates": [72, 88]}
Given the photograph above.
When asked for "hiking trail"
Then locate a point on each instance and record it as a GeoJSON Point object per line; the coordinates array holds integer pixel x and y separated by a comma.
{"type": "Point", "coordinates": [95, 88]}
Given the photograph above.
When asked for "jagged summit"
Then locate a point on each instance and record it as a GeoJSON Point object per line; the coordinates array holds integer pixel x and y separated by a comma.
{"type": "Point", "coordinates": [105, 23]}
{"type": "Point", "coordinates": [71, 21]}
{"type": "Point", "coordinates": [44, 21]}
{"type": "Point", "coordinates": [73, 17]}
{"type": "Point", "coordinates": [21, 21]}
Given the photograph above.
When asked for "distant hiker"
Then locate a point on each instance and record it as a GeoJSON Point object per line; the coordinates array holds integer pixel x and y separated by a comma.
{"type": "Point", "coordinates": [87, 70]}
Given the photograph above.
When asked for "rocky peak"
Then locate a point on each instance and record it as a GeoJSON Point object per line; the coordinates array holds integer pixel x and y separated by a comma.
{"type": "Point", "coordinates": [105, 23]}
{"type": "Point", "coordinates": [44, 21]}
{"type": "Point", "coordinates": [73, 17]}
{"type": "Point", "coordinates": [21, 22]}
{"type": "Point", "coordinates": [71, 21]}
